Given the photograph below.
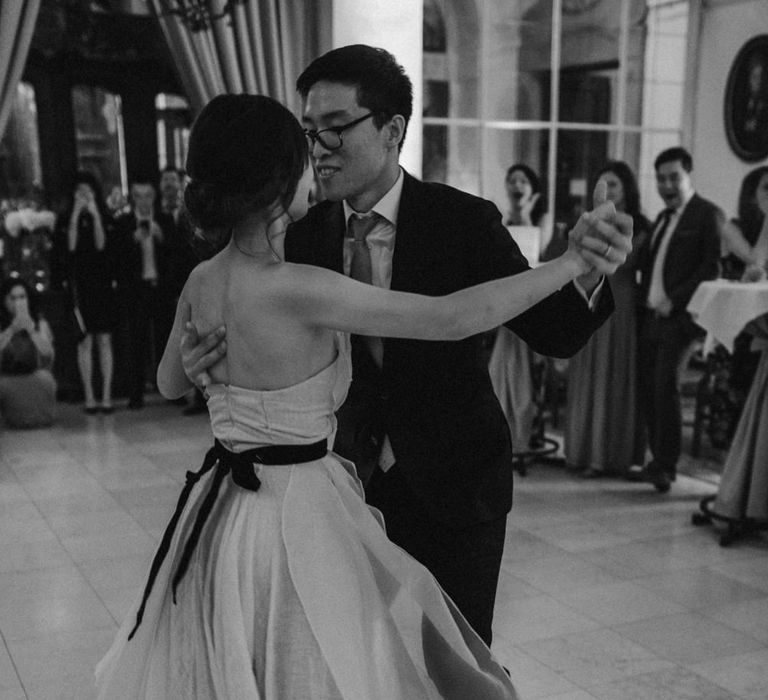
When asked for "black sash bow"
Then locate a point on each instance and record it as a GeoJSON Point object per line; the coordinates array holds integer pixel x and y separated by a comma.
{"type": "Point", "coordinates": [240, 465]}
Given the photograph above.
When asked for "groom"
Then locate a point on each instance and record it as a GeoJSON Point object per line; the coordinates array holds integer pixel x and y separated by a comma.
{"type": "Point", "coordinates": [421, 416]}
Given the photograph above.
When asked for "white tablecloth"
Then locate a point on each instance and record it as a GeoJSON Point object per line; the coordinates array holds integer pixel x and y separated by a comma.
{"type": "Point", "coordinates": [723, 308]}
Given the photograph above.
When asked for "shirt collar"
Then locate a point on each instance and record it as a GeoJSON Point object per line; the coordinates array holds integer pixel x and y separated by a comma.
{"type": "Point", "coordinates": [387, 207]}
{"type": "Point", "coordinates": [679, 210]}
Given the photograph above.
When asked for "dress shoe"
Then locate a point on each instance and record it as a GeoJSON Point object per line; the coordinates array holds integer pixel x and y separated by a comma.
{"type": "Point", "coordinates": [107, 409]}
{"type": "Point", "coordinates": [636, 472]}
{"type": "Point", "coordinates": [91, 410]}
{"type": "Point", "coordinates": [590, 473]}
{"type": "Point", "coordinates": [656, 475]}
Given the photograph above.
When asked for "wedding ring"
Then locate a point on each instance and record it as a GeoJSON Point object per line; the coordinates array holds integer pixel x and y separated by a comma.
{"type": "Point", "coordinates": [607, 250]}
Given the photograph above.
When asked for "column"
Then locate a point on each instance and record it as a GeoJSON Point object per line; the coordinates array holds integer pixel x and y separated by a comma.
{"type": "Point", "coordinates": [395, 25]}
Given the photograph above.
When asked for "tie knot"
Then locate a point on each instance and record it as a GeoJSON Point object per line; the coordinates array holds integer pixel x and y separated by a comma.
{"type": "Point", "coordinates": [360, 226]}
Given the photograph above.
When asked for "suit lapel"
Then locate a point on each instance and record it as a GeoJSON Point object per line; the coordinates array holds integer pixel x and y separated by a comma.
{"type": "Point", "coordinates": [333, 230]}
{"type": "Point", "coordinates": [407, 236]}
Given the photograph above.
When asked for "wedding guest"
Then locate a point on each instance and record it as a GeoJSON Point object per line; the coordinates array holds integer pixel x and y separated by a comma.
{"type": "Point", "coordinates": [87, 233]}
{"type": "Point", "coordinates": [27, 386]}
{"type": "Point", "coordinates": [511, 360]}
{"type": "Point", "coordinates": [145, 284]}
{"type": "Point", "coordinates": [682, 252]}
{"type": "Point", "coordinates": [604, 432]}
{"type": "Point", "coordinates": [745, 248]}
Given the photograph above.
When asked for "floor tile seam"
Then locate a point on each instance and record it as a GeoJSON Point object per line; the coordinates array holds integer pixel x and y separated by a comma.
{"type": "Point", "coordinates": [13, 663]}
{"type": "Point", "coordinates": [74, 562]}
{"type": "Point", "coordinates": [686, 665]}
{"type": "Point", "coordinates": [560, 674]}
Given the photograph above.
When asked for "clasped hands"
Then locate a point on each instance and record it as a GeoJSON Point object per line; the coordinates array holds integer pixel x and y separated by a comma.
{"type": "Point", "coordinates": [601, 239]}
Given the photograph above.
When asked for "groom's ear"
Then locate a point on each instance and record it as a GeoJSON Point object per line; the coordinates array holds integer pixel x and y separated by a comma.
{"type": "Point", "coordinates": [395, 128]}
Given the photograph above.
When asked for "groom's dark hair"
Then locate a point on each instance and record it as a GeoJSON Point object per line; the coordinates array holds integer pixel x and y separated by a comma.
{"type": "Point", "coordinates": [382, 84]}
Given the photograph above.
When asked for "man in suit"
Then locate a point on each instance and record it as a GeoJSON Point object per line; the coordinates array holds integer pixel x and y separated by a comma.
{"type": "Point", "coordinates": [144, 285]}
{"type": "Point", "coordinates": [682, 252]}
{"type": "Point", "coordinates": [421, 420]}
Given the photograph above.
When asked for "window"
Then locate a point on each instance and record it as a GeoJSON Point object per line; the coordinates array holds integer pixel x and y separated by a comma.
{"type": "Point", "coordinates": [173, 120]}
{"type": "Point", "coordinates": [99, 136]}
{"type": "Point", "coordinates": [491, 74]}
{"type": "Point", "coordinates": [20, 169]}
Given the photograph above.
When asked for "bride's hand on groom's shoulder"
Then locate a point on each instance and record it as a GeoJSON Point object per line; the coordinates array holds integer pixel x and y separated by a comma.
{"type": "Point", "coordinates": [199, 354]}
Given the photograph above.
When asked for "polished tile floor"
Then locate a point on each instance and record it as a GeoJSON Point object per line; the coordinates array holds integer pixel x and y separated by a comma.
{"type": "Point", "coordinates": [607, 590]}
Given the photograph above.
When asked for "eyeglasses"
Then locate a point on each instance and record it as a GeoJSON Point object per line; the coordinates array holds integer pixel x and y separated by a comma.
{"type": "Point", "coordinates": [330, 138]}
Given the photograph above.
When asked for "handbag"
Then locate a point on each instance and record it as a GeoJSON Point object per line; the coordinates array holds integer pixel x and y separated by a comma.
{"type": "Point", "coordinates": [20, 355]}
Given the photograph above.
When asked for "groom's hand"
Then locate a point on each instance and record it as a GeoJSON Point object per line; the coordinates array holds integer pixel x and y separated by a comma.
{"type": "Point", "coordinates": [603, 239]}
{"type": "Point", "coordinates": [198, 355]}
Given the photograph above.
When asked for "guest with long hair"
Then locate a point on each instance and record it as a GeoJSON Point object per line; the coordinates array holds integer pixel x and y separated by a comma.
{"type": "Point", "coordinates": [27, 386]}
{"type": "Point", "coordinates": [604, 434]}
{"type": "Point", "coordinates": [87, 232]}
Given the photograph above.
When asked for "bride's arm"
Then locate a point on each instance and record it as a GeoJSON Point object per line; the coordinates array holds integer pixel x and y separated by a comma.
{"type": "Point", "coordinates": [331, 300]}
{"type": "Point", "coordinates": [172, 383]}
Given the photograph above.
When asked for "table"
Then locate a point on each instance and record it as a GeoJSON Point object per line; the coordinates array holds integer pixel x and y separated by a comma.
{"type": "Point", "coordinates": [725, 308]}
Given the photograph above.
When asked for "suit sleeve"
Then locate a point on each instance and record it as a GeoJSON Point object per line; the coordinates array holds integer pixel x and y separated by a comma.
{"type": "Point", "coordinates": [558, 326]}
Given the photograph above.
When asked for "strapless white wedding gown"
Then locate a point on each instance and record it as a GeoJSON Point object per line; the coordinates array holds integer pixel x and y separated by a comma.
{"type": "Point", "coordinates": [294, 591]}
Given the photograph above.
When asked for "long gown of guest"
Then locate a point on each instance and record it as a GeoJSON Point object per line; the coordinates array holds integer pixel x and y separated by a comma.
{"type": "Point", "coordinates": [294, 591]}
{"type": "Point", "coordinates": [603, 429]}
{"type": "Point", "coordinates": [743, 491]}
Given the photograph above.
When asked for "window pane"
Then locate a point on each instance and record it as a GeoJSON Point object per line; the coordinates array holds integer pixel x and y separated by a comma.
{"type": "Point", "coordinates": [580, 154]}
{"type": "Point", "coordinates": [451, 155]}
{"type": "Point", "coordinates": [20, 170]}
{"type": "Point", "coordinates": [99, 135]}
{"type": "Point", "coordinates": [452, 55]}
{"type": "Point", "coordinates": [173, 122]}
{"type": "Point", "coordinates": [517, 55]}
{"type": "Point", "coordinates": [505, 147]}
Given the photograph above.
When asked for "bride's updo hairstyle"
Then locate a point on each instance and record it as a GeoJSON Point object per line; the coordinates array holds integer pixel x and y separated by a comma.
{"type": "Point", "coordinates": [246, 154]}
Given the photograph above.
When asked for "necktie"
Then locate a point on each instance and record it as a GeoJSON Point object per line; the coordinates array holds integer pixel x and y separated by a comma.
{"type": "Point", "coordinates": [361, 270]}
{"type": "Point", "coordinates": [666, 216]}
{"type": "Point", "coordinates": [358, 229]}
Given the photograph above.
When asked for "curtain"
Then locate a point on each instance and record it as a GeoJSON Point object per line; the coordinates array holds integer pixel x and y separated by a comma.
{"type": "Point", "coordinates": [262, 50]}
{"type": "Point", "coordinates": [17, 23]}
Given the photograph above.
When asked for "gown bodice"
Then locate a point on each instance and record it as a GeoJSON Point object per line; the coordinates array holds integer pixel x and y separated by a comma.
{"type": "Point", "coordinates": [299, 414]}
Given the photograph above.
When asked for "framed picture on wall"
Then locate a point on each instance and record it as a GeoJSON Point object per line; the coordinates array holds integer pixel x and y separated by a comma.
{"type": "Point", "coordinates": [746, 101]}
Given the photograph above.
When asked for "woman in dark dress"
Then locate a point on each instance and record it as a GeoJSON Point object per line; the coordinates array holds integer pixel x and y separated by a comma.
{"type": "Point", "coordinates": [745, 249]}
{"type": "Point", "coordinates": [602, 378]}
{"type": "Point", "coordinates": [87, 230]}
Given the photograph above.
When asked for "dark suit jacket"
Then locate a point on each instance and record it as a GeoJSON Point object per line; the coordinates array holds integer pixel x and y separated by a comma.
{"type": "Point", "coordinates": [434, 399]}
{"type": "Point", "coordinates": [130, 254]}
{"type": "Point", "coordinates": [692, 255]}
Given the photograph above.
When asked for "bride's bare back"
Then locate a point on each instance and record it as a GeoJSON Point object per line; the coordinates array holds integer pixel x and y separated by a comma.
{"type": "Point", "coordinates": [267, 346]}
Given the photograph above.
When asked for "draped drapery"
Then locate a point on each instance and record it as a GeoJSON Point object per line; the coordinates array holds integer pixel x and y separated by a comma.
{"type": "Point", "coordinates": [17, 24]}
{"type": "Point", "coordinates": [262, 50]}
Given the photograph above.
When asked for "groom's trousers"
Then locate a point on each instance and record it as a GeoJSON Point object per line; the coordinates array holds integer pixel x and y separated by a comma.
{"type": "Point", "coordinates": [465, 560]}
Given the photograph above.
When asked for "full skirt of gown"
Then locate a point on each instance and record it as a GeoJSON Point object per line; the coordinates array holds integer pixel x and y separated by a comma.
{"type": "Point", "coordinates": [294, 591]}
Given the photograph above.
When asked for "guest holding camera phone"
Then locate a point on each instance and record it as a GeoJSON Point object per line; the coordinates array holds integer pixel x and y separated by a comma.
{"type": "Point", "coordinates": [85, 238]}
{"type": "Point", "coordinates": [147, 304]}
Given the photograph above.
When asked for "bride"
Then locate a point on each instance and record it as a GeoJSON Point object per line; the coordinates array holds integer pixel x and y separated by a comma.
{"type": "Point", "coordinates": [280, 582]}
